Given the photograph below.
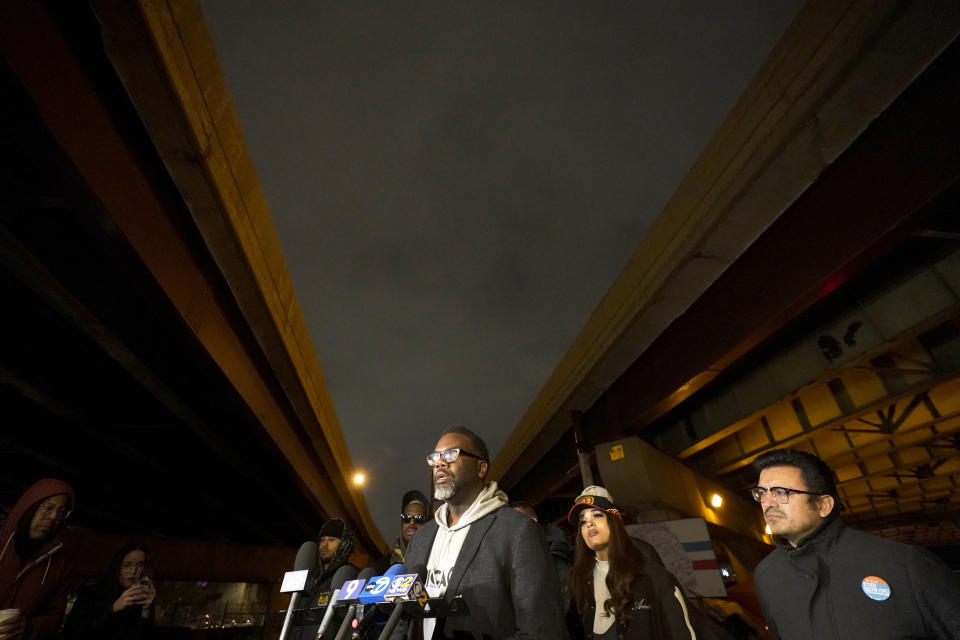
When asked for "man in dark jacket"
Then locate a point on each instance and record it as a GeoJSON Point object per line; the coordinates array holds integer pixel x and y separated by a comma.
{"type": "Point", "coordinates": [414, 513]}
{"type": "Point", "coordinates": [496, 558]}
{"type": "Point", "coordinates": [34, 572]}
{"type": "Point", "coordinates": [333, 550]}
{"type": "Point", "coordinates": [828, 581]}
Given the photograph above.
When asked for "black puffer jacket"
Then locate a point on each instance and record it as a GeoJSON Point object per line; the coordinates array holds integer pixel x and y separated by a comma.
{"type": "Point", "coordinates": [819, 590]}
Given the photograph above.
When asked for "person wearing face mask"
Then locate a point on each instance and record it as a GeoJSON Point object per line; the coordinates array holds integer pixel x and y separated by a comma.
{"type": "Point", "coordinates": [120, 605]}
{"type": "Point", "coordinates": [618, 592]}
{"type": "Point", "coordinates": [414, 513]}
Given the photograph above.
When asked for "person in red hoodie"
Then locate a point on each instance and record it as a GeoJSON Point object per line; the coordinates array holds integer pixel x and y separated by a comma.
{"type": "Point", "coordinates": [34, 572]}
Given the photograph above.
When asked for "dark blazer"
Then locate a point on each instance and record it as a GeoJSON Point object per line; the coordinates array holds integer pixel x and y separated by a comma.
{"type": "Point", "coordinates": [507, 579]}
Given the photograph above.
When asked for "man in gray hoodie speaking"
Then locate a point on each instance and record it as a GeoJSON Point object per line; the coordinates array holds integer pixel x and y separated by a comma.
{"type": "Point", "coordinates": [496, 558]}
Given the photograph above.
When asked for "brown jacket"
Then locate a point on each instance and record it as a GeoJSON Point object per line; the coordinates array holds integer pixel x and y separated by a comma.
{"type": "Point", "coordinates": [36, 585]}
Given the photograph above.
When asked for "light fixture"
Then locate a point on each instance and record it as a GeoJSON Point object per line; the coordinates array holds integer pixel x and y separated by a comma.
{"type": "Point", "coordinates": [716, 501]}
{"type": "Point", "coordinates": [767, 530]}
{"type": "Point", "coordinates": [359, 479]}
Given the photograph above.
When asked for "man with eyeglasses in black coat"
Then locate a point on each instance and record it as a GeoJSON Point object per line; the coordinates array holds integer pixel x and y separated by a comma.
{"type": "Point", "coordinates": [825, 580]}
{"type": "Point", "coordinates": [414, 513]}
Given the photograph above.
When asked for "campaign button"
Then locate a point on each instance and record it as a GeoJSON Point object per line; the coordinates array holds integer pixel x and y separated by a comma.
{"type": "Point", "coordinates": [875, 588]}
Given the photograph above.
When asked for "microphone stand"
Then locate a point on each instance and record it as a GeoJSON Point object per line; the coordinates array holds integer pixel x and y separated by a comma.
{"type": "Point", "coordinates": [286, 621]}
{"type": "Point", "coordinates": [327, 615]}
{"type": "Point", "coordinates": [391, 621]}
{"type": "Point", "coordinates": [347, 619]}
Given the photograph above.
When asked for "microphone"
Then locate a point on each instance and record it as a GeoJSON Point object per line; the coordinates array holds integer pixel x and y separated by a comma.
{"type": "Point", "coordinates": [409, 588]}
{"type": "Point", "coordinates": [306, 559]}
{"type": "Point", "coordinates": [344, 573]}
{"type": "Point", "coordinates": [377, 586]}
{"type": "Point", "coordinates": [372, 594]}
{"type": "Point", "coordinates": [348, 598]}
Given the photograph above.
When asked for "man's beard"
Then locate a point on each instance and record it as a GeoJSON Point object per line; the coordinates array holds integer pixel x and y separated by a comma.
{"type": "Point", "coordinates": [445, 492]}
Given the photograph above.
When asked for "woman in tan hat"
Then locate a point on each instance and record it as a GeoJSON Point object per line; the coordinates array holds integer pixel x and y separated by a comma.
{"type": "Point", "coordinates": [617, 593]}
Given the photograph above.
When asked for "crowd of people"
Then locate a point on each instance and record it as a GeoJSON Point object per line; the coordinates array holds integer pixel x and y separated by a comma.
{"type": "Point", "coordinates": [521, 580]}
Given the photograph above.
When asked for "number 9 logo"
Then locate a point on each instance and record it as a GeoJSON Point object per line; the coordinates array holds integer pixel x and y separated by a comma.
{"type": "Point", "coordinates": [351, 589]}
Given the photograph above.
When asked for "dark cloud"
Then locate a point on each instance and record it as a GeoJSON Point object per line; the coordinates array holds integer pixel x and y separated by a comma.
{"type": "Point", "coordinates": [455, 185]}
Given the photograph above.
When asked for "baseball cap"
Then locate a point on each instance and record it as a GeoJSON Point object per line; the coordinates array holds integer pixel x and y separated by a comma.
{"type": "Point", "coordinates": [593, 497]}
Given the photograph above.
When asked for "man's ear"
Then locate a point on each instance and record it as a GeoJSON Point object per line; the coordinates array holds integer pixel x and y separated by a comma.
{"type": "Point", "coordinates": [482, 469]}
{"type": "Point", "coordinates": [825, 505]}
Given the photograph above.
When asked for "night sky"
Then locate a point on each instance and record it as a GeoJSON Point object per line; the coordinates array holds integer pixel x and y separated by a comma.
{"type": "Point", "coordinates": [455, 185]}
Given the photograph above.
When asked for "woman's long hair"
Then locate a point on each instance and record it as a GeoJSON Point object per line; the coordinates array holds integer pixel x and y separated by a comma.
{"type": "Point", "coordinates": [626, 561]}
{"type": "Point", "coordinates": [111, 580]}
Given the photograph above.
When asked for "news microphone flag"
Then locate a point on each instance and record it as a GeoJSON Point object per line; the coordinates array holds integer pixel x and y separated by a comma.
{"type": "Point", "coordinates": [348, 597]}
{"type": "Point", "coordinates": [407, 586]}
{"type": "Point", "coordinates": [350, 590]}
{"type": "Point", "coordinates": [377, 586]}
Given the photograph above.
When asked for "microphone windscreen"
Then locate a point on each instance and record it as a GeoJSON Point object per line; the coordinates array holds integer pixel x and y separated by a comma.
{"type": "Point", "coordinates": [367, 573]}
{"type": "Point", "coordinates": [306, 556]}
{"type": "Point", "coordinates": [344, 573]}
{"type": "Point", "coordinates": [394, 570]}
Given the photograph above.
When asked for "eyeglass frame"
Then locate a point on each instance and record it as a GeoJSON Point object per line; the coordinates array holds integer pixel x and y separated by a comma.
{"type": "Point", "coordinates": [60, 513]}
{"type": "Point", "coordinates": [786, 493]}
{"type": "Point", "coordinates": [419, 518]}
{"type": "Point", "coordinates": [441, 454]}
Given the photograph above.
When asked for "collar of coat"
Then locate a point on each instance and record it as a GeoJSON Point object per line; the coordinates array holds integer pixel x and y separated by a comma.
{"type": "Point", "coordinates": [820, 539]}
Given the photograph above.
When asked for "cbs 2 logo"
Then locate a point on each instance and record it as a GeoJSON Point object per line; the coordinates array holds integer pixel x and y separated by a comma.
{"type": "Point", "coordinates": [402, 583]}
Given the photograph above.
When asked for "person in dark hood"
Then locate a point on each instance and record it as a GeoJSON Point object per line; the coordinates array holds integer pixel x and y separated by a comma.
{"type": "Point", "coordinates": [120, 605]}
{"type": "Point", "coordinates": [413, 515]}
{"type": "Point", "coordinates": [333, 551]}
{"type": "Point", "coordinates": [34, 572]}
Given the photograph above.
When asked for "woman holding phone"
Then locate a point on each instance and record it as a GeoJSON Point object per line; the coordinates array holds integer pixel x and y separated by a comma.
{"type": "Point", "coordinates": [120, 604]}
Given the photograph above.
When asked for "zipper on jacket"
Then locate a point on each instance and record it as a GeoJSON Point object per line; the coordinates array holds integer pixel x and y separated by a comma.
{"type": "Point", "coordinates": [37, 561]}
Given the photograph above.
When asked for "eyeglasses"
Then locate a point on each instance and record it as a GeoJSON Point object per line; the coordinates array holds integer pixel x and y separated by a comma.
{"type": "Point", "coordinates": [780, 494]}
{"type": "Point", "coordinates": [419, 518]}
{"type": "Point", "coordinates": [450, 456]}
{"type": "Point", "coordinates": [60, 513]}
